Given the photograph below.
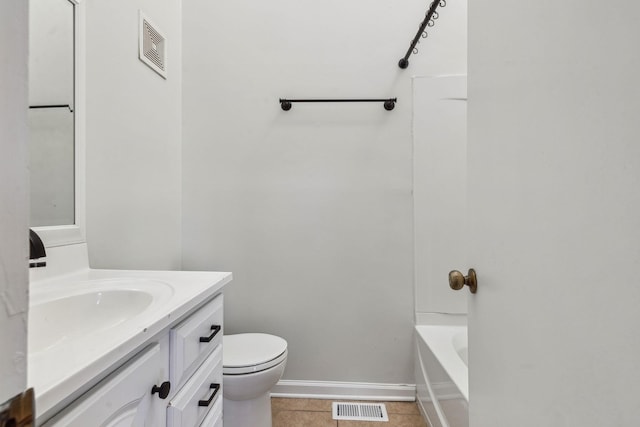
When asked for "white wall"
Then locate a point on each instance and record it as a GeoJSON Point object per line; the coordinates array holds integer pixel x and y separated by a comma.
{"type": "Point", "coordinates": [133, 138]}
{"type": "Point", "coordinates": [14, 212]}
{"type": "Point", "coordinates": [439, 191]}
{"type": "Point", "coordinates": [312, 208]}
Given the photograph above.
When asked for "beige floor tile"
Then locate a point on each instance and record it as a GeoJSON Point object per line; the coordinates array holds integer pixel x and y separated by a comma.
{"type": "Point", "coordinates": [395, 420]}
{"type": "Point", "coordinates": [317, 413]}
{"type": "Point", "coordinates": [304, 419]}
{"type": "Point", "coordinates": [283, 404]}
{"type": "Point", "coordinates": [402, 408]}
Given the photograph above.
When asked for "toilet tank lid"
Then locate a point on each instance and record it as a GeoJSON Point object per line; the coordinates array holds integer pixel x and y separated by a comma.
{"type": "Point", "coordinates": [251, 349]}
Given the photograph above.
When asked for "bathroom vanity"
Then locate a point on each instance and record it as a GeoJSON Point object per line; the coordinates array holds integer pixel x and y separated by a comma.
{"type": "Point", "coordinates": [105, 347]}
{"type": "Point", "coordinates": [126, 348]}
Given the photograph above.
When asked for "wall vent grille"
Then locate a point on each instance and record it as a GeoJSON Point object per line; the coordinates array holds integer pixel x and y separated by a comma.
{"type": "Point", "coordinates": [153, 46]}
{"type": "Point", "coordinates": [360, 411]}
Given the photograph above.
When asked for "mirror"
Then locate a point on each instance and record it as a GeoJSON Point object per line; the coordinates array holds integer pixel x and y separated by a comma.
{"type": "Point", "coordinates": [52, 113]}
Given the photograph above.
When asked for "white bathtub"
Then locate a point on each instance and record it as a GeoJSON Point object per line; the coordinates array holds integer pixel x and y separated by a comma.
{"type": "Point", "coordinates": [442, 375]}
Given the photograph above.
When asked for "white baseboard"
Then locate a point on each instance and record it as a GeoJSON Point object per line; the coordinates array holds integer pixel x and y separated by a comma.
{"type": "Point", "coordinates": [344, 390]}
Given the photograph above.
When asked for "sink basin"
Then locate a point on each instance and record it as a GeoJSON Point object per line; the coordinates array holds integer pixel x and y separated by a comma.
{"type": "Point", "coordinates": [92, 307]}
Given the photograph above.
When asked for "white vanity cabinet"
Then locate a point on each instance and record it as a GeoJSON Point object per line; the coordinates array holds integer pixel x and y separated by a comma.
{"type": "Point", "coordinates": [187, 355]}
{"type": "Point", "coordinates": [196, 366]}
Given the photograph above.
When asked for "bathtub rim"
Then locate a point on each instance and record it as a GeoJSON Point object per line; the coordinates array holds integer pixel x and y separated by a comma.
{"type": "Point", "coordinates": [439, 339]}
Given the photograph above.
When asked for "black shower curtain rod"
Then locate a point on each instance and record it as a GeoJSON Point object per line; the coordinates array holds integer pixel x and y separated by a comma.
{"type": "Point", "coordinates": [389, 103]}
{"type": "Point", "coordinates": [429, 19]}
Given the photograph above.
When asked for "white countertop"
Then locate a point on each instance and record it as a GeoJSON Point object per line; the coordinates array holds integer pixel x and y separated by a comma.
{"type": "Point", "coordinates": [58, 372]}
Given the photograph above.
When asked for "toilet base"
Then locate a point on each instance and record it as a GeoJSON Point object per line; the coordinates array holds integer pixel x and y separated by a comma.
{"type": "Point", "coordinates": [242, 413]}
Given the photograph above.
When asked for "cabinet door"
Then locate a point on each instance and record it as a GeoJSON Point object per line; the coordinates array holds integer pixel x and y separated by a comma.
{"type": "Point", "coordinates": [123, 397]}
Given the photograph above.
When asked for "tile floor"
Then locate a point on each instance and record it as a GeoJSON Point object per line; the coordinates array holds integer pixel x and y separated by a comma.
{"type": "Point", "coordinates": [317, 413]}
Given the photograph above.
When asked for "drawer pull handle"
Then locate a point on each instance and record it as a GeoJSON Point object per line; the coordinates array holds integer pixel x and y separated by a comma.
{"type": "Point", "coordinates": [163, 390]}
{"type": "Point", "coordinates": [215, 329]}
{"type": "Point", "coordinates": [207, 402]}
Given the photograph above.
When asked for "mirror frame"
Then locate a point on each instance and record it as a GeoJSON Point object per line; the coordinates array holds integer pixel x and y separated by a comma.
{"type": "Point", "coordinates": [61, 235]}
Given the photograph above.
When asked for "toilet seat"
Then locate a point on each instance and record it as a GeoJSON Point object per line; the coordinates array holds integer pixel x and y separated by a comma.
{"type": "Point", "coordinates": [250, 353]}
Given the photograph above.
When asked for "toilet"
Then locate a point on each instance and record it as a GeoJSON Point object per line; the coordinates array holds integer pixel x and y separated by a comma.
{"type": "Point", "coordinates": [251, 365]}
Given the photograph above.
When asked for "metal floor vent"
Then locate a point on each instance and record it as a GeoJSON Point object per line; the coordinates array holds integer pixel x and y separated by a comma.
{"type": "Point", "coordinates": [360, 411]}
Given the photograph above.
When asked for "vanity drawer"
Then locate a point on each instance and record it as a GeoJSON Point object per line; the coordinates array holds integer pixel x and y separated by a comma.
{"type": "Point", "coordinates": [214, 417]}
{"type": "Point", "coordinates": [202, 392]}
{"type": "Point", "coordinates": [195, 338]}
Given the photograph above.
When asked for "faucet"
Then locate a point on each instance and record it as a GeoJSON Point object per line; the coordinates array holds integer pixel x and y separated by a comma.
{"type": "Point", "coordinates": [36, 250]}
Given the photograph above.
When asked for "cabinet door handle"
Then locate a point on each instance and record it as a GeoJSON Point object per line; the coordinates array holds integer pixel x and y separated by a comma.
{"type": "Point", "coordinates": [207, 402]}
{"type": "Point", "coordinates": [215, 329]}
{"type": "Point", "coordinates": [163, 390]}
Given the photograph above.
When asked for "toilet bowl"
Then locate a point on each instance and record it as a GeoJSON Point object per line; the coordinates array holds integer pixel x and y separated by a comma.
{"type": "Point", "coordinates": [252, 365]}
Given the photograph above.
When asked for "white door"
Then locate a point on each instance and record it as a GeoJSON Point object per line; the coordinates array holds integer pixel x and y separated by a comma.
{"type": "Point", "coordinates": [554, 214]}
{"type": "Point", "coordinates": [14, 212]}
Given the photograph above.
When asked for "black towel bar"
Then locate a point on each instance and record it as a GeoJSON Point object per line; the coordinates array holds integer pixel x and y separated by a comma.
{"type": "Point", "coordinates": [389, 103]}
{"type": "Point", "coordinates": [52, 106]}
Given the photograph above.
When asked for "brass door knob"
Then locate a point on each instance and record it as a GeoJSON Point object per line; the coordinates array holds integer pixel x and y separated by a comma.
{"type": "Point", "coordinates": [457, 280]}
